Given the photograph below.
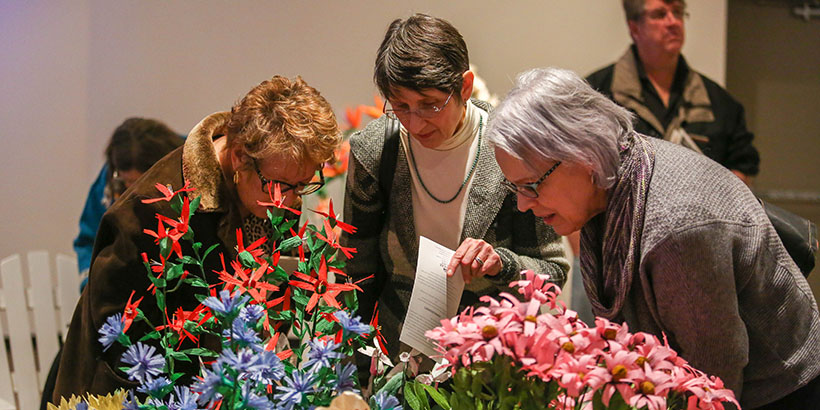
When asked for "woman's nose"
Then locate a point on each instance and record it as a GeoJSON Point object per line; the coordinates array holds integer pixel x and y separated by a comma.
{"type": "Point", "coordinates": [525, 203]}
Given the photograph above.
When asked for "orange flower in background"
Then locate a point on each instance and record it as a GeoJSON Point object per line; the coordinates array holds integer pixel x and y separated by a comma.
{"type": "Point", "coordinates": [339, 164]}
{"type": "Point", "coordinates": [354, 116]}
{"type": "Point", "coordinates": [374, 111]}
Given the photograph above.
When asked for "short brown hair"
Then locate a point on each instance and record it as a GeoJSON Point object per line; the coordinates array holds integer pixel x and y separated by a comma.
{"type": "Point", "coordinates": [634, 8]}
{"type": "Point", "coordinates": [419, 53]}
{"type": "Point", "coordinates": [287, 117]}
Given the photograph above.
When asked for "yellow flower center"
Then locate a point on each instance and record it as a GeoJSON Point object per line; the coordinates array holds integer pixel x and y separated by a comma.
{"type": "Point", "coordinates": [489, 332]}
{"type": "Point", "coordinates": [531, 318]}
{"type": "Point", "coordinates": [647, 387]}
{"type": "Point", "coordinates": [609, 334]}
{"type": "Point", "coordinates": [618, 372]}
{"type": "Point", "coordinates": [568, 347]}
{"type": "Point", "coordinates": [640, 361]}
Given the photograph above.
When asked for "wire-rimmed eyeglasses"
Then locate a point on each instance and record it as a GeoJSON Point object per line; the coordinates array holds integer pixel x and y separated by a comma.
{"type": "Point", "coordinates": [425, 111]}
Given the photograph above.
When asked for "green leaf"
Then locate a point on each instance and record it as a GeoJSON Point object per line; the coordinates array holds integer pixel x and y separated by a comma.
{"type": "Point", "coordinates": [246, 259]}
{"type": "Point", "coordinates": [392, 385]}
{"type": "Point", "coordinates": [161, 301]}
{"type": "Point", "coordinates": [209, 250]}
{"type": "Point", "coordinates": [201, 351]}
{"type": "Point", "coordinates": [197, 281]}
{"type": "Point", "coordinates": [153, 335]}
{"type": "Point", "coordinates": [175, 271]}
{"type": "Point", "coordinates": [289, 244]}
{"type": "Point", "coordinates": [177, 355]}
{"type": "Point", "coordinates": [201, 297]}
{"type": "Point", "coordinates": [437, 396]}
{"type": "Point", "coordinates": [412, 398]}
{"type": "Point", "coordinates": [194, 205]}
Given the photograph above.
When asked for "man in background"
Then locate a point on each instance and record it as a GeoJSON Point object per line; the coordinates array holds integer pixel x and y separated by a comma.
{"type": "Point", "coordinates": [671, 100]}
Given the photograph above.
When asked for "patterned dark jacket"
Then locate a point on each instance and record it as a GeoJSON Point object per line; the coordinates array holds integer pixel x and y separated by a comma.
{"type": "Point", "coordinates": [713, 120]}
{"type": "Point", "coordinates": [390, 249]}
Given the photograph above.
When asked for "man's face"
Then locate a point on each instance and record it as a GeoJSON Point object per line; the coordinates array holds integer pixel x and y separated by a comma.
{"type": "Point", "coordinates": [659, 31]}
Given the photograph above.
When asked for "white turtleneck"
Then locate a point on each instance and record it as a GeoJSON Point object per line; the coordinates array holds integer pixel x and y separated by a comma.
{"type": "Point", "coordinates": [443, 170]}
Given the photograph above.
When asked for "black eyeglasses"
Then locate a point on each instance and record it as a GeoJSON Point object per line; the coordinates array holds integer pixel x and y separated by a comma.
{"type": "Point", "coordinates": [298, 189]}
{"type": "Point", "coordinates": [425, 111]}
{"type": "Point", "coordinates": [529, 190]}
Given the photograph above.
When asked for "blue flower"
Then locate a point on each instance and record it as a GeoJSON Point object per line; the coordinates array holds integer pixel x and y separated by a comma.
{"type": "Point", "coordinates": [209, 385]}
{"type": "Point", "coordinates": [252, 401]}
{"type": "Point", "coordinates": [130, 402]}
{"type": "Point", "coordinates": [352, 324]}
{"type": "Point", "coordinates": [242, 335]}
{"type": "Point", "coordinates": [293, 389]}
{"type": "Point", "coordinates": [154, 387]}
{"type": "Point", "coordinates": [267, 368]}
{"type": "Point", "coordinates": [386, 402]}
{"type": "Point", "coordinates": [321, 353]}
{"type": "Point", "coordinates": [81, 406]}
{"type": "Point", "coordinates": [225, 305]}
{"type": "Point", "coordinates": [185, 399]}
{"type": "Point", "coordinates": [145, 365]}
{"type": "Point", "coordinates": [345, 377]}
{"type": "Point", "coordinates": [111, 330]}
{"type": "Point", "coordinates": [251, 314]}
{"type": "Point", "coordinates": [240, 361]}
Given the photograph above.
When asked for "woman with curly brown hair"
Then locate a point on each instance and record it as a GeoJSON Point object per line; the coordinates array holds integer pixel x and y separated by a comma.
{"type": "Point", "coordinates": [281, 132]}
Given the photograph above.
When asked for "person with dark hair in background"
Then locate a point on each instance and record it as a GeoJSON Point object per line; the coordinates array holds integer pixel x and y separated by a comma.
{"type": "Point", "coordinates": [672, 243]}
{"type": "Point", "coordinates": [281, 132]}
{"type": "Point", "coordinates": [133, 148]}
{"type": "Point", "coordinates": [670, 99]}
{"type": "Point", "coordinates": [424, 169]}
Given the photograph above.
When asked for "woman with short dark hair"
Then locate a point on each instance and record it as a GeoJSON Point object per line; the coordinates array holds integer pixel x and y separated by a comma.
{"type": "Point", "coordinates": [433, 176]}
{"type": "Point", "coordinates": [672, 243]}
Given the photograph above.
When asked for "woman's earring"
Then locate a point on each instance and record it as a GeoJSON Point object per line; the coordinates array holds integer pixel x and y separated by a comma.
{"type": "Point", "coordinates": [236, 177]}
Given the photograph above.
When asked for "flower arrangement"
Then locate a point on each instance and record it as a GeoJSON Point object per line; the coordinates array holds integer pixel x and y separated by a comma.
{"type": "Point", "coordinates": [250, 312]}
{"type": "Point", "coordinates": [509, 355]}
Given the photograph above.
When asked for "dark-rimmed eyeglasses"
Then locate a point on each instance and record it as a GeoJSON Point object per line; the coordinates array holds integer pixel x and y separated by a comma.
{"type": "Point", "coordinates": [529, 190]}
{"type": "Point", "coordinates": [425, 111]}
{"type": "Point", "coordinates": [298, 189]}
{"type": "Point", "coordinates": [660, 13]}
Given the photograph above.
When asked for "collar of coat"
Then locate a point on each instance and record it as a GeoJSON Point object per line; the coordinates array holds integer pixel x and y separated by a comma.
{"type": "Point", "coordinates": [200, 165]}
{"type": "Point", "coordinates": [626, 91]}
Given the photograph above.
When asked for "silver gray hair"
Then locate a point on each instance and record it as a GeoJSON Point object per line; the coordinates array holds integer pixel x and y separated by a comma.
{"type": "Point", "coordinates": [552, 114]}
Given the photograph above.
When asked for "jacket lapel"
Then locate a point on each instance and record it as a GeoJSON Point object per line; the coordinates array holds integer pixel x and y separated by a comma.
{"type": "Point", "coordinates": [486, 195]}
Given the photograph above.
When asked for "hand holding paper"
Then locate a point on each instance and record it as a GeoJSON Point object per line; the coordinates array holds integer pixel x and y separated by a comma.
{"type": "Point", "coordinates": [435, 296]}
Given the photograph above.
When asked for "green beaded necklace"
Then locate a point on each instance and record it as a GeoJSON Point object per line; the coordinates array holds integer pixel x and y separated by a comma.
{"type": "Point", "coordinates": [469, 175]}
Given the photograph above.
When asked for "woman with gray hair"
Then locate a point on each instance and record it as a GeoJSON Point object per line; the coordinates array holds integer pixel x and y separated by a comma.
{"type": "Point", "coordinates": [671, 242]}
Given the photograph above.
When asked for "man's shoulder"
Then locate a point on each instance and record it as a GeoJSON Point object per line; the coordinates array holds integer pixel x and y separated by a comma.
{"type": "Point", "coordinates": [601, 79]}
{"type": "Point", "coordinates": [717, 94]}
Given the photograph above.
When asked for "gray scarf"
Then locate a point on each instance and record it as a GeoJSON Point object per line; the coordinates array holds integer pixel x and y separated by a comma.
{"type": "Point", "coordinates": [610, 242]}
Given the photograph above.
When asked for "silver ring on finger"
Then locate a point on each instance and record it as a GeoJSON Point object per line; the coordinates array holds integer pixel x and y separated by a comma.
{"type": "Point", "coordinates": [480, 262]}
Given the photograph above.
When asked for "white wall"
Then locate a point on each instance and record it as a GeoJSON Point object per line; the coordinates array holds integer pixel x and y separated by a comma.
{"type": "Point", "coordinates": [70, 72]}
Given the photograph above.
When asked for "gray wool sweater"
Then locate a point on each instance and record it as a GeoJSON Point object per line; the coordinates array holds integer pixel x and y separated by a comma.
{"type": "Point", "coordinates": [715, 278]}
{"type": "Point", "coordinates": [388, 248]}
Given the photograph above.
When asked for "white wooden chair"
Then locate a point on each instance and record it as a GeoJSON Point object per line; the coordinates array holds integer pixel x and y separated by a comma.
{"type": "Point", "coordinates": [36, 305]}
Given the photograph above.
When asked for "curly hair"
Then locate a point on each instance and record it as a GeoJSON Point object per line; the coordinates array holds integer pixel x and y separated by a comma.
{"type": "Point", "coordinates": [287, 117]}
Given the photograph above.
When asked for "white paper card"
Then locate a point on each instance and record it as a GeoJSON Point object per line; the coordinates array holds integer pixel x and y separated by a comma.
{"type": "Point", "coordinates": [435, 296]}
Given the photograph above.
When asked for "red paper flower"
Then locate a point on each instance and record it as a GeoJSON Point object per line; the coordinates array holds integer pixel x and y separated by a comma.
{"type": "Point", "coordinates": [130, 313]}
{"type": "Point", "coordinates": [320, 287]}
{"type": "Point", "coordinates": [277, 200]}
{"type": "Point", "coordinates": [167, 193]}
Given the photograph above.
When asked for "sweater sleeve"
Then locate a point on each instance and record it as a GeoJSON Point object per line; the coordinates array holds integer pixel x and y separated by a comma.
{"type": "Point", "coordinates": [533, 245]}
{"type": "Point", "coordinates": [690, 278]}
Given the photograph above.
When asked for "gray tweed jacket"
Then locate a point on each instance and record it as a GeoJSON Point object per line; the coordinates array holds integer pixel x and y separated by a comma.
{"type": "Point", "coordinates": [390, 250]}
{"type": "Point", "coordinates": [716, 280]}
